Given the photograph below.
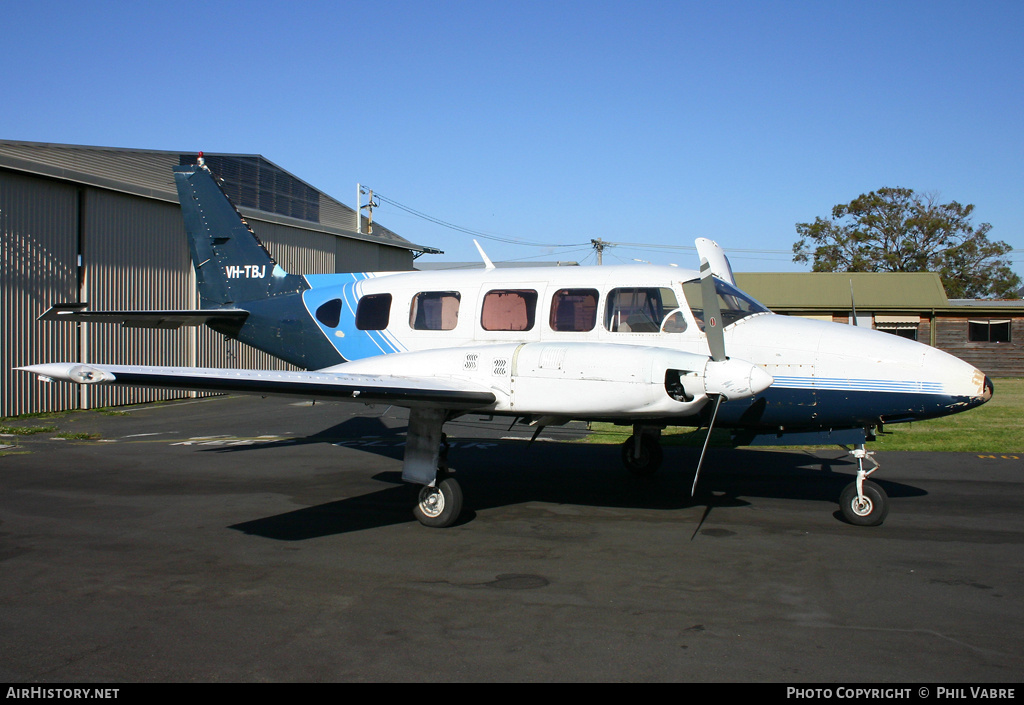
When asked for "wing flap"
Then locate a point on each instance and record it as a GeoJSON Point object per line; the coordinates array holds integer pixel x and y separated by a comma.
{"type": "Point", "coordinates": [365, 388]}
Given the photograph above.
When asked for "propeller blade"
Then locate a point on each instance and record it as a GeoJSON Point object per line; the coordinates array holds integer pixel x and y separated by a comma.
{"type": "Point", "coordinates": [714, 414]}
{"type": "Point", "coordinates": [715, 255]}
{"type": "Point", "coordinates": [712, 313]}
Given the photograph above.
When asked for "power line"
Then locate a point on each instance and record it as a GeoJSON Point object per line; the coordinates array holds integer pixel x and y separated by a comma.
{"type": "Point", "coordinates": [469, 231]}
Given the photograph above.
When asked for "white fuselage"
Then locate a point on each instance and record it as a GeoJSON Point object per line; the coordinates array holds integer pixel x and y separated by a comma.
{"type": "Point", "coordinates": [597, 342]}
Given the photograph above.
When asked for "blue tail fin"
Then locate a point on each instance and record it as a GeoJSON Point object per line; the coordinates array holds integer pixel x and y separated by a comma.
{"type": "Point", "coordinates": [232, 265]}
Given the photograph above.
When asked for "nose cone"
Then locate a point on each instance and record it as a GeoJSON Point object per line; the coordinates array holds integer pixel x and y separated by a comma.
{"type": "Point", "coordinates": [958, 378]}
{"type": "Point", "coordinates": [987, 392]}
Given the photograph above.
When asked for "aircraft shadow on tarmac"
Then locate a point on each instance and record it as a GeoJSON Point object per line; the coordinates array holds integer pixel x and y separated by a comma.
{"type": "Point", "coordinates": [362, 429]}
{"type": "Point", "coordinates": [496, 473]}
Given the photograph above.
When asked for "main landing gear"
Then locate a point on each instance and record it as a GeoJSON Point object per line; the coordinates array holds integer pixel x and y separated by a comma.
{"type": "Point", "coordinates": [863, 502]}
{"type": "Point", "coordinates": [641, 452]}
{"type": "Point", "coordinates": [438, 495]}
{"type": "Point", "coordinates": [440, 504]}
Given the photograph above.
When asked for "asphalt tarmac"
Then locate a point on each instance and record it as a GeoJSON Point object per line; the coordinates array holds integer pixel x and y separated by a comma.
{"type": "Point", "coordinates": [236, 539]}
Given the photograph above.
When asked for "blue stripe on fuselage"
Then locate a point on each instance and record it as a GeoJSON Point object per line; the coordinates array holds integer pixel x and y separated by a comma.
{"type": "Point", "coordinates": [347, 339]}
{"type": "Point", "coordinates": [847, 384]}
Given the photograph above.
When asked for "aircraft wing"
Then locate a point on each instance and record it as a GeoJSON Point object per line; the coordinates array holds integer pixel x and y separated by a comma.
{"type": "Point", "coordinates": [170, 319]}
{"type": "Point", "coordinates": [366, 388]}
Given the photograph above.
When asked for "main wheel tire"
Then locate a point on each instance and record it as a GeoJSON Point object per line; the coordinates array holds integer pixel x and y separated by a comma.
{"type": "Point", "coordinates": [439, 506]}
{"type": "Point", "coordinates": [649, 459]}
{"type": "Point", "coordinates": [869, 511]}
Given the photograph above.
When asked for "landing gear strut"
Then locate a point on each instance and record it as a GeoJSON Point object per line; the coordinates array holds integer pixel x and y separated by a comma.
{"type": "Point", "coordinates": [863, 502]}
{"type": "Point", "coordinates": [439, 496]}
{"type": "Point", "coordinates": [641, 453]}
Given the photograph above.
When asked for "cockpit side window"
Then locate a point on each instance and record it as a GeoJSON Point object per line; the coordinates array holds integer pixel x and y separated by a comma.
{"type": "Point", "coordinates": [734, 303]}
{"type": "Point", "coordinates": [638, 309]}
{"type": "Point", "coordinates": [435, 310]}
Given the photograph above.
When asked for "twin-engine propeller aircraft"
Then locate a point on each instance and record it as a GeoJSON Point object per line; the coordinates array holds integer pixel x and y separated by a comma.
{"type": "Point", "coordinates": [637, 345]}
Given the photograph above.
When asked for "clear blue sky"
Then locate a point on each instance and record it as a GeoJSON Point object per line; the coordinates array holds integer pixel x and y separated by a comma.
{"type": "Point", "coordinates": [554, 122]}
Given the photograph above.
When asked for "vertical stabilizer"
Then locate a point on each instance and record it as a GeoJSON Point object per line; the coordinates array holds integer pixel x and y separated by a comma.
{"type": "Point", "coordinates": [232, 265]}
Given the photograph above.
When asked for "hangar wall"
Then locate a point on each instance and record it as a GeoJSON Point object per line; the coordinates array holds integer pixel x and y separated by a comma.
{"type": "Point", "coordinates": [38, 243]}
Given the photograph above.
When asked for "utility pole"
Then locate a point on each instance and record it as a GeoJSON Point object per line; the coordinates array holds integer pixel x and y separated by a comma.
{"type": "Point", "coordinates": [359, 210]}
{"type": "Point", "coordinates": [599, 246]}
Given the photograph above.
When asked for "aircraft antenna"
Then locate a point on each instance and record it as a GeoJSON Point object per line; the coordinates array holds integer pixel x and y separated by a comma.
{"type": "Point", "coordinates": [488, 264]}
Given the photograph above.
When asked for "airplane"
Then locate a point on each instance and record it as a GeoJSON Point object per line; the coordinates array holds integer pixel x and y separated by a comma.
{"type": "Point", "coordinates": [639, 345]}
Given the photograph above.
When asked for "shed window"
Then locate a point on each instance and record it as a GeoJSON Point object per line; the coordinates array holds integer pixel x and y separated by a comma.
{"type": "Point", "coordinates": [509, 309]}
{"type": "Point", "coordinates": [435, 310]}
{"type": "Point", "coordinates": [574, 310]}
{"type": "Point", "coordinates": [373, 312]}
{"type": "Point", "coordinates": [989, 331]}
{"type": "Point", "coordinates": [903, 326]}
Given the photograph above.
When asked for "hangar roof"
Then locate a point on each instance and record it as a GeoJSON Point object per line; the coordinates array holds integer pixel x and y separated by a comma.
{"type": "Point", "coordinates": [254, 183]}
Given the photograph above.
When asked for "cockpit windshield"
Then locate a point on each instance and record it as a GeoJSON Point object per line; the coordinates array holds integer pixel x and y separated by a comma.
{"type": "Point", "coordinates": [734, 303]}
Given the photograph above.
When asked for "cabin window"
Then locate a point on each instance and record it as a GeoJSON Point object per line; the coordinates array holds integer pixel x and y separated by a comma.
{"type": "Point", "coordinates": [329, 313]}
{"type": "Point", "coordinates": [989, 331]}
{"type": "Point", "coordinates": [639, 309]}
{"type": "Point", "coordinates": [434, 310]}
{"type": "Point", "coordinates": [574, 310]}
{"type": "Point", "coordinates": [373, 312]}
{"type": "Point", "coordinates": [509, 309]}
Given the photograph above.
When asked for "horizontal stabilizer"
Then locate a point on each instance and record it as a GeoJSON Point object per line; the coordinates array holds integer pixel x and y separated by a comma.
{"type": "Point", "coordinates": [400, 391]}
{"type": "Point", "coordinates": [144, 319]}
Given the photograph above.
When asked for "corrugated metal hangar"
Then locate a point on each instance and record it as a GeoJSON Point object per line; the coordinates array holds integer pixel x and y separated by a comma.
{"type": "Point", "coordinates": [103, 226]}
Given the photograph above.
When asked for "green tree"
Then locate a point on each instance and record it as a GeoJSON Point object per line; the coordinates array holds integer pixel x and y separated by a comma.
{"type": "Point", "coordinates": [897, 230]}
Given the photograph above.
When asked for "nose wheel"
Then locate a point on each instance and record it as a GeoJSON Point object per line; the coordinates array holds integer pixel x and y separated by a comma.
{"type": "Point", "coordinates": [862, 502]}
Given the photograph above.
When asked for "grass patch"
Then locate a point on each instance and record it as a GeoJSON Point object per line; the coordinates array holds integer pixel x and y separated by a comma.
{"type": "Point", "coordinates": [26, 430]}
{"type": "Point", "coordinates": [36, 415]}
{"type": "Point", "coordinates": [78, 436]}
{"type": "Point", "coordinates": [995, 427]}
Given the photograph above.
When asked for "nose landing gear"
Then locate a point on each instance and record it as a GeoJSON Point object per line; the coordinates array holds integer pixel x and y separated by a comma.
{"type": "Point", "coordinates": [863, 502]}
